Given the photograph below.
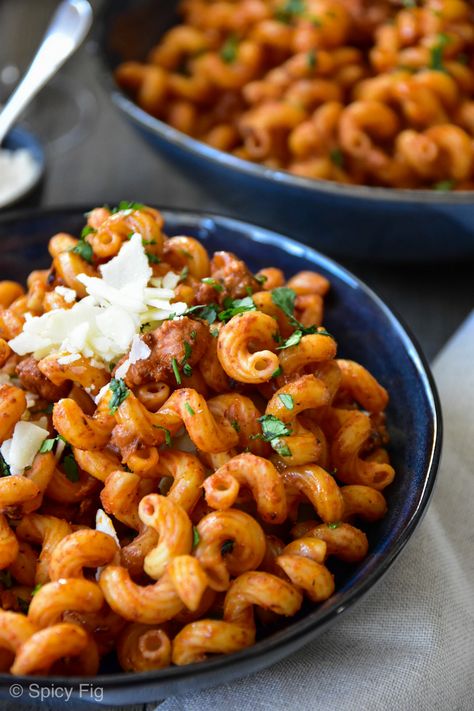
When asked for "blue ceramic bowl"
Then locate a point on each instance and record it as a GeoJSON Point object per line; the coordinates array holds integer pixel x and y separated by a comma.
{"type": "Point", "coordinates": [20, 138]}
{"type": "Point", "coordinates": [368, 332]}
{"type": "Point", "coordinates": [344, 221]}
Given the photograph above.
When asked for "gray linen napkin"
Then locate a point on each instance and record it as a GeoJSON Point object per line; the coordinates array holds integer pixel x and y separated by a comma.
{"type": "Point", "coordinates": [409, 644]}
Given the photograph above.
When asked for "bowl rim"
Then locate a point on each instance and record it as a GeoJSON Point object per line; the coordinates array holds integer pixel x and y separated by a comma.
{"type": "Point", "coordinates": [304, 628]}
{"type": "Point", "coordinates": [199, 149]}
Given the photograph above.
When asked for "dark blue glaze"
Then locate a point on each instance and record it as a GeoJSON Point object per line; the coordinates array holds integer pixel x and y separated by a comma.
{"type": "Point", "coordinates": [20, 138]}
{"type": "Point", "coordinates": [346, 221]}
{"type": "Point", "coordinates": [366, 331]}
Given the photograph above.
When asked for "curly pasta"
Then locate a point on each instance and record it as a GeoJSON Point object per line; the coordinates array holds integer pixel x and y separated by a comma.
{"type": "Point", "coordinates": [352, 92]}
{"type": "Point", "coordinates": [170, 491]}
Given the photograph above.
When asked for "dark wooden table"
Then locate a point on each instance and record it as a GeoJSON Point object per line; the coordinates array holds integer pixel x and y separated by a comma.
{"type": "Point", "coordinates": [105, 161]}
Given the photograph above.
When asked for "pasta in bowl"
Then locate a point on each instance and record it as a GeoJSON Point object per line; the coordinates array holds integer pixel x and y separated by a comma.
{"type": "Point", "coordinates": [187, 459]}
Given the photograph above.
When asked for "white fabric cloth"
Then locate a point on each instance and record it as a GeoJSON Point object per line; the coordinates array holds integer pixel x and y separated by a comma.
{"type": "Point", "coordinates": [409, 644]}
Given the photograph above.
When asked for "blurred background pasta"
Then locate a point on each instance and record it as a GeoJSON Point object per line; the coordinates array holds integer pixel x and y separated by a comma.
{"type": "Point", "coordinates": [372, 93]}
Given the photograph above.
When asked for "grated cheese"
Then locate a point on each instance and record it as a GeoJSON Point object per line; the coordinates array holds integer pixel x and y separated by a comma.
{"type": "Point", "coordinates": [102, 325]}
{"type": "Point", "coordinates": [20, 450]}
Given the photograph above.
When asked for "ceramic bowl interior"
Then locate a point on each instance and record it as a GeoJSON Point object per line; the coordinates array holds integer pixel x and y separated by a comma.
{"type": "Point", "coordinates": [366, 331]}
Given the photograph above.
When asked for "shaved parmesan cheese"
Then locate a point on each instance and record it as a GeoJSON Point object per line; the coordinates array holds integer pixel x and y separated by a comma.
{"type": "Point", "coordinates": [69, 295]}
{"type": "Point", "coordinates": [21, 449]}
{"type": "Point", "coordinates": [66, 359]}
{"type": "Point", "coordinates": [102, 325]}
{"type": "Point", "coordinates": [138, 351]}
{"type": "Point", "coordinates": [101, 394]}
{"type": "Point", "coordinates": [104, 524]}
{"type": "Point", "coordinates": [60, 447]}
{"type": "Point", "coordinates": [130, 269]}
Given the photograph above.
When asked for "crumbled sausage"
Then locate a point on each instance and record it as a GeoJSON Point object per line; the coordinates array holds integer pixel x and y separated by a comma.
{"type": "Point", "coordinates": [234, 276]}
{"type": "Point", "coordinates": [167, 344]}
{"type": "Point", "coordinates": [34, 380]}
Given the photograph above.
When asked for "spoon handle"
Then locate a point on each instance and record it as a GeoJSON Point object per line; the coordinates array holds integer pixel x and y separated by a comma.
{"type": "Point", "coordinates": [66, 31]}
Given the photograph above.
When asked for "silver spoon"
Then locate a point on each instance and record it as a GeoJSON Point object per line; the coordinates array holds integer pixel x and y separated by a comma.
{"type": "Point", "coordinates": [67, 30]}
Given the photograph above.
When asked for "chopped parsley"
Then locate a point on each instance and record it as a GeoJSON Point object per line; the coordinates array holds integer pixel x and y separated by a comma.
{"type": "Point", "coordinates": [187, 370]}
{"type": "Point", "coordinates": [36, 589]}
{"type": "Point", "coordinates": [286, 400]}
{"type": "Point", "coordinates": [4, 468]}
{"type": "Point", "coordinates": [444, 185]}
{"type": "Point", "coordinates": [236, 306]}
{"type": "Point", "coordinates": [335, 524]}
{"type": "Point", "coordinates": [126, 205]}
{"type": "Point", "coordinates": [290, 10]}
{"type": "Point", "coordinates": [437, 52]}
{"type": "Point", "coordinates": [337, 157]}
{"type": "Point", "coordinates": [312, 60]}
{"type": "Point", "coordinates": [229, 49]}
{"type": "Point", "coordinates": [189, 408]}
{"type": "Point", "coordinates": [167, 434]}
{"type": "Point", "coordinates": [235, 425]}
{"type": "Point", "coordinates": [49, 443]}
{"type": "Point", "coordinates": [70, 467]}
{"type": "Point", "coordinates": [184, 273]}
{"type": "Point", "coordinates": [87, 230]}
{"type": "Point", "coordinates": [277, 372]}
{"type": "Point", "coordinates": [206, 312]}
{"type": "Point", "coordinates": [273, 427]}
{"type": "Point", "coordinates": [214, 332]}
{"type": "Point", "coordinates": [152, 258]}
{"type": "Point", "coordinates": [177, 375]}
{"type": "Point", "coordinates": [261, 278]}
{"type": "Point", "coordinates": [196, 537]}
{"type": "Point", "coordinates": [213, 282]}
{"type": "Point", "coordinates": [84, 250]}
{"type": "Point", "coordinates": [227, 547]}
{"type": "Point", "coordinates": [119, 393]}
{"type": "Point", "coordinates": [285, 299]}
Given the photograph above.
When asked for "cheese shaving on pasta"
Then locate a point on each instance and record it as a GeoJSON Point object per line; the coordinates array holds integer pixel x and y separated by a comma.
{"type": "Point", "coordinates": [21, 449]}
{"type": "Point", "coordinates": [104, 323]}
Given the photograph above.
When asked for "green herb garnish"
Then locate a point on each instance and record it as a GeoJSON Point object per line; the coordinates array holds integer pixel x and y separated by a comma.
{"type": "Point", "coordinates": [444, 185]}
{"type": "Point", "coordinates": [290, 10]}
{"type": "Point", "coordinates": [196, 537]}
{"type": "Point", "coordinates": [125, 205]}
{"type": "Point", "coordinates": [184, 273]}
{"type": "Point", "coordinates": [337, 157]}
{"type": "Point", "coordinates": [177, 375]}
{"type": "Point", "coordinates": [87, 230]}
{"type": "Point", "coordinates": [4, 468]}
{"type": "Point", "coordinates": [207, 312]}
{"type": "Point", "coordinates": [84, 250]}
{"type": "Point", "coordinates": [311, 58]}
{"type": "Point", "coordinates": [119, 393]}
{"type": "Point", "coordinates": [167, 434]}
{"type": "Point", "coordinates": [261, 278]}
{"type": "Point", "coordinates": [277, 372]}
{"type": "Point", "coordinates": [230, 49]}
{"type": "Point", "coordinates": [335, 524]}
{"type": "Point", "coordinates": [70, 467]}
{"type": "Point", "coordinates": [437, 52]}
{"type": "Point", "coordinates": [236, 306]}
{"type": "Point", "coordinates": [189, 408]}
{"type": "Point", "coordinates": [287, 400]}
{"type": "Point", "coordinates": [235, 425]}
{"type": "Point", "coordinates": [36, 589]}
